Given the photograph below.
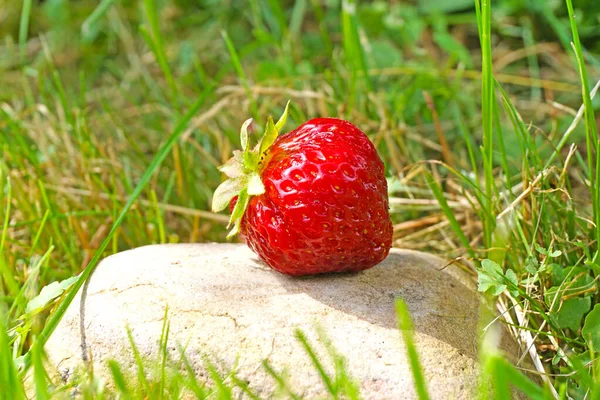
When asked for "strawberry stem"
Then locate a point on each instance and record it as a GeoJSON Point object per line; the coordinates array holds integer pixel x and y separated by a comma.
{"type": "Point", "coordinates": [243, 172]}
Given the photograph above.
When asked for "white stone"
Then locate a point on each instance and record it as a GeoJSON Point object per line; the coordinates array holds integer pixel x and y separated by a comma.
{"type": "Point", "coordinates": [224, 303]}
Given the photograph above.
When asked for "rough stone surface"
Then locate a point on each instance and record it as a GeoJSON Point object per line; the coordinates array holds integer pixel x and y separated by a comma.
{"type": "Point", "coordinates": [224, 303]}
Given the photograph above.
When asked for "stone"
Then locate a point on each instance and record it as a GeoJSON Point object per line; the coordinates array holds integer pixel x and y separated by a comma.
{"type": "Point", "coordinates": [226, 306]}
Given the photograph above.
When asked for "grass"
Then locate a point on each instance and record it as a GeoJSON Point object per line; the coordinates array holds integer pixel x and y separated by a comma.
{"type": "Point", "coordinates": [114, 116]}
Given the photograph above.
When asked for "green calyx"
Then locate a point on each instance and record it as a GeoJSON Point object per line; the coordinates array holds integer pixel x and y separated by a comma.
{"type": "Point", "coordinates": [243, 172]}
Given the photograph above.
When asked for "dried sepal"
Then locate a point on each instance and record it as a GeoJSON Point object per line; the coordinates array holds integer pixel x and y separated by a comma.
{"type": "Point", "coordinates": [227, 191]}
{"type": "Point", "coordinates": [244, 134]}
{"type": "Point", "coordinates": [234, 167]}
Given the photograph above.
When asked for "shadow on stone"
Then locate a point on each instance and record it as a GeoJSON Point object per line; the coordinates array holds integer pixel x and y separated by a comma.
{"type": "Point", "coordinates": [401, 276]}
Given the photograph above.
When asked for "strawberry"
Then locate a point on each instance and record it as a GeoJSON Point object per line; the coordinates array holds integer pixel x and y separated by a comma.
{"type": "Point", "coordinates": [311, 201]}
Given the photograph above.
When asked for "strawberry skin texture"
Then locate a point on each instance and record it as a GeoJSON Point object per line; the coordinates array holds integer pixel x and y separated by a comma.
{"type": "Point", "coordinates": [325, 206]}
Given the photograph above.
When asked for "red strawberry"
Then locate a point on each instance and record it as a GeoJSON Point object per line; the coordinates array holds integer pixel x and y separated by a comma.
{"type": "Point", "coordinates": [311, 201]}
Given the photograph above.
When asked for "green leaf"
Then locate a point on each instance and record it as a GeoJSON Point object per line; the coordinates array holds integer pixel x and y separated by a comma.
{"type": "Point", "coordinates": [492, 269]}
{"type": "Point", "coordinates": [491, 277]}
{"type": "Point", "coordinates": [269, 137]}
{"type": "Point", "coordinates": [281, 122]}
{"type": "Point", "coordinates": [591, 328]}
{"type": "Point", "coordinates": [540, 249]}
{"type": "Point", "coordinates": [555, 253]}
{"type": "Point", "coordinates": [531, 265]}
{"type": "Point", "coordinates": [558, 274]}
{"type": "Point", "coordinates": [444, 6]}
{"type": "Point", "coordinates": [570, 313]}
{"type": "Point", "coordinates": [49, 293]}
{"type": "Point", "coordinates": [512, 278]}
{"type": "Point", "coordinates": [227, 191]}
{"type": "Point", "coordinates": [453, 47]}
{"type": "Point", "coordinates": [255, 185]}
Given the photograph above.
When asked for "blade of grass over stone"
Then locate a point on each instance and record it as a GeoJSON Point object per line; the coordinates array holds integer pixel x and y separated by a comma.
{"type": "Point", "coordinates": [159, 48]}
{"type": "Point", "coordinates": [499, 379]}
{"type": "Point", "coordinates": [301, 337]}
{"type": "Point", "coordinates": [243, 386]}
{"type": "Point", "coordinates": [222, 390]}
{"type": "Point", "coordinates": [192, 381]}
{"type": "Point", "coordinates": [164, 339]}
{"type": "Point", "coordinates": [439, 196]}
{"type": "Point", "coordinates": [592, 146]}
{"type": "Point", "coordinates": [119, 379]}
{"type": "Point", "coordinates": [279, 379]}
{"type": "Point", "coordinates": [141, 374]}
{"type": "Point", "coordinates": [24, 27]}
{"type": "Point", "coordinates": [161, 154]}
{"type": "Point", "coordinates": [406, 328]}
{"type": "Point", "coordinates": [346, 387]}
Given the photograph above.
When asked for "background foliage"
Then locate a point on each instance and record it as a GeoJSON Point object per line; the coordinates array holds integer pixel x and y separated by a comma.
{"type": "Point", "coordinates": [489, 161]}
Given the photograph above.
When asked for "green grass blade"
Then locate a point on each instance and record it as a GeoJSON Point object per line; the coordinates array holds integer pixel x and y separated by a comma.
{"type": "Point", "coordinates": [89, 25]}
{"type": "Point", "coordinates": [20, 302]}
{"type": "Point", "coordinates": [159, 48]}
{"type": "Point", "coordinates": [235, 59]}
{"type": "Point", "coordinates": [223, 391]}
{"type": "Point", "coordinates": [24, 26]}
{"type": "Point", "coordinates": [406, 328]}
{"type": "Point", "coordinates": [315, 360]}
{"type": "Point", "coordinates": [590, 124]}
{"type": "Point", "coordinates": [191, 381]}
{"type": "Point", "coordinates": [164, 340]}
{"type": "Point", "coordinates": [240, 383]}
{"type": "Point", "coordinates": [39, 373]}
{"type": "Point", "coordinates": [8, 200]}
{"type": "Point", "coordinates": [5, 273]}
{"type": "Point", "coordinates": [279, 379]}
{"type": "Point", "coordinates": [439, 195]}
{"type": "Point", "coordinates": [141, 373]}
{"type": "Point", "coordinates": [10, 382]}
{"type": "Point", "coordinates": [511, 375]}
{"type": "Point", "coordinates": [119, 379]}
{"type": "Point", "coordinates": [487, 112]}
{"type": "Point", "coordinates": [38, 234]}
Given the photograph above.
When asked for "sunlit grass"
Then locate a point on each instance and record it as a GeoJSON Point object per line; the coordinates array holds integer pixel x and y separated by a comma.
{"type": "Point", "coordinates": [114, 116]}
